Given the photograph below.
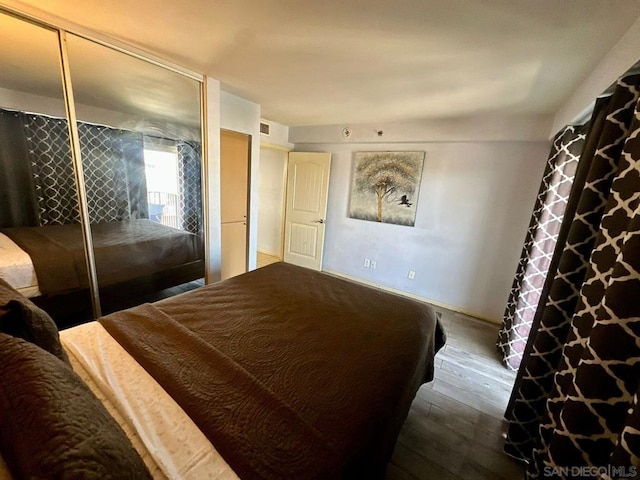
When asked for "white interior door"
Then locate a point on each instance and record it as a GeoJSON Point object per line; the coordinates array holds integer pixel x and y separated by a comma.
{"type": "Point", "coordinates": [305, 216]}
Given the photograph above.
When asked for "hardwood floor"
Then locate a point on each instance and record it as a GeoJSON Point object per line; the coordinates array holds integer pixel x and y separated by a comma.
{"type": "Point", "coordinates": [265, 259]}
{"type": "Point", "coordinates": [455, 429]}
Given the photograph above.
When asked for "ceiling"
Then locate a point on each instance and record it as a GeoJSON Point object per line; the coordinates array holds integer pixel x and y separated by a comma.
{"type": "Point", "coordinates": [362, 61]}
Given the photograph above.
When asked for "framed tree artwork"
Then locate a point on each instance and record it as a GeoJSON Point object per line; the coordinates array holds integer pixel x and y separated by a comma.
{"type": "Point", "coordinates": [385, 186]}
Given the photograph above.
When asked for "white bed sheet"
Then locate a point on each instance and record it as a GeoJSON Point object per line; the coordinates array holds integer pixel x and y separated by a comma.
{"type": "Point", "coordinates": [16, 268]}
{"type": "Point", "coordinates": [168, 441]}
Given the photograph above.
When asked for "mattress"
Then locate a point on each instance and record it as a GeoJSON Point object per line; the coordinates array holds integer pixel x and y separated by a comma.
{"type": "Point", "coordinates": [16, 268]}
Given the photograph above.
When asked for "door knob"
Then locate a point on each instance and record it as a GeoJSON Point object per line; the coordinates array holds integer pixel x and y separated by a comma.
{"type": "Point", "coordinates": [319, 221]}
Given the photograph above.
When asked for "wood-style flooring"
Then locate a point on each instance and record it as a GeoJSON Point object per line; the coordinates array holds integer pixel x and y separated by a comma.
{"type": "Point", "coordinates": [455, 426]}
{"type": "Point", "coordinates": [265, 259]}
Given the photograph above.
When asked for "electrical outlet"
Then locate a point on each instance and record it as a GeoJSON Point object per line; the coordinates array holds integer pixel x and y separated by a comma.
{"type": "Point", "coordinates": [367, 262]}
{"type": "Point", "coordinates": [373, 264]}
{"type": "Point", "coordinates": [412, 275]}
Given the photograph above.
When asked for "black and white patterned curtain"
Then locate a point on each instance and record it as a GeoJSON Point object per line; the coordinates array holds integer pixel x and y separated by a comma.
{"type": "Point", "coordinates": [574, 409]}
{"type": "Point", "coordinates": [113, 162]}
{"type": "Point", "coordinates": [539, 244]}
{"type": "Point", "coordinates": [53, 177]}
{"type": "Point", "coordinates": [115, 181]}
{"type": "Point", "coordinates": [190, 186]}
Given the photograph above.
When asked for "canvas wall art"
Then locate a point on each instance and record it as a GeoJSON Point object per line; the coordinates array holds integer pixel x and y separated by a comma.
{"type": "Point", "coordinates": [385, 186]}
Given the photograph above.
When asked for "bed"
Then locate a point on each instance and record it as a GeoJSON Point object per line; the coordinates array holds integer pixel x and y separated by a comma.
{"type": "Point", "coordinates": [16, 268]}
{"type": "Point", "coordinates": [48, 263]}
{"type": "Point", "coordinates": [279, 373]}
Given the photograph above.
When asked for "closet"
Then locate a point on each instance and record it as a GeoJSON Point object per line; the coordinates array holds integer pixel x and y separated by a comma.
{"type": "Point", "coordinates": [101, 177]}
{"type": "Point", "coordinates": [235, 158]}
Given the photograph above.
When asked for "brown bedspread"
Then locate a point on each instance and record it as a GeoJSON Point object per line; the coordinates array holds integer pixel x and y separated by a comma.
{"type": "Point", "coordinates": [290, 373]}
{"type": "Point", "coordinates": [123, 251]}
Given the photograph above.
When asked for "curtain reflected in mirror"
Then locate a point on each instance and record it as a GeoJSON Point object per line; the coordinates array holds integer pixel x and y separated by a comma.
{"type": "Point", "coordinates": [140, 143]}
{"type": "Point", "coordinates": [42, 253]}
{"type": "Point", "coordinates": [139, 132]}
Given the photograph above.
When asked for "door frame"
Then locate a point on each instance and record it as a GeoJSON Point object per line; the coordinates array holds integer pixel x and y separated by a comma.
{"type": "Point", "coordinates": [285, 172]}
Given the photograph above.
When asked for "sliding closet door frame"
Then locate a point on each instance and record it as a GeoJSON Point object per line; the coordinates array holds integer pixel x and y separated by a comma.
{"type": "Point", "coordinates": [78, 171]}
{"type": "Point", "coordinates": [67, 85]}
{"type": "Point", "coordinates": [204, 172]}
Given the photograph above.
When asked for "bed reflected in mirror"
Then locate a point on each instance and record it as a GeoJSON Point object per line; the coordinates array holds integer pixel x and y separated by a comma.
{"type": "Point", "coordinates": [139, 135]}
{"type": "Point", "coordinates": [37, 185]}
{"type": "Point", "coordinates": [139, 132]}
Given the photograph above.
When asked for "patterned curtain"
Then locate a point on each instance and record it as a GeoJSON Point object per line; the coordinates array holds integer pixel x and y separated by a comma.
{"type": "Point", "coordinates": [539, 244]}
{"type": "Point", "coordinates": [53, 177]}
{"type": "Point", "coordinates": [190, 186]}
{"type": "Point", "coordinates": [18, 204]}
{"type": "Point", "coordinates": [113, 162]}
{"type": "Point", "coordinates": [575, 403]}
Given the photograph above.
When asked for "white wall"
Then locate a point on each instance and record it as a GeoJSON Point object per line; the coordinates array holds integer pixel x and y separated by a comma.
{"type": "Point", "coordinates": [474, 208]}
{"type": "Point", "coordinates": [55, 107]}
{"type": "Point", "coordinates": [31, 103]}
{"type": "Point", "coordinates": [274, 155]}
{"type": "Point", "coordinates": [278, 135]}
{"type": "Point", "coordinates": [243, 116]}
{"type": "Point", "coordinates": [620, 58]}
{"type": "Point", "coordinates": [273, 163]}
{"type": "Point", "coordinates": [483, 128]}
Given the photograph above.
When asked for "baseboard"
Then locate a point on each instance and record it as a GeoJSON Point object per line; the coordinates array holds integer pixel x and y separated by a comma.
{"type": "Point", "coordinates": [271, 254]}
{"type": "Point", "coordinates": [436, 303]}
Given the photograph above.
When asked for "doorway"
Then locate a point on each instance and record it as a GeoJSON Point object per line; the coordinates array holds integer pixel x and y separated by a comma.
{"type": "Point", "coordinates": [306, 209]}
{"type": "Point", "coordinates": [272, 194]}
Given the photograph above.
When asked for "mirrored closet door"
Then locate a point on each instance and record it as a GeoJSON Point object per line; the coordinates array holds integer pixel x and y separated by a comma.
{"type": "Point", "coordinates": [42, 253]}
{"type": "Point", "coordinates": [137, 177]}
{"type": "Point", "coordinates": [139, 132]}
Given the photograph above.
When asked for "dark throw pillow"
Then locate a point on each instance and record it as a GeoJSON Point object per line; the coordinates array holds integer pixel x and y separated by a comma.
{"type": "Point", "coordinates": [20, 317]}
{"type": "Point", "coordinates": [51, 424]}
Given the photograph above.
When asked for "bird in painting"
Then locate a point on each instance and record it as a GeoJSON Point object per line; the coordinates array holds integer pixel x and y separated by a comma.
{"type": "Point", "coordinates": [405, 201]}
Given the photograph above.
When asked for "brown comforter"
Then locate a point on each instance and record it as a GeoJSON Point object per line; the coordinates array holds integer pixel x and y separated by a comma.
{"type": "Point", "coordinates": [123, 251]}
{"type": "Point", "coordinates": [290, 373]}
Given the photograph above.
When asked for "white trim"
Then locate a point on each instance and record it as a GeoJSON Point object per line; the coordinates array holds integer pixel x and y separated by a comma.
{"type": "Point", "coordinates": [271, 254]}
{"type": "Point", "coordinates": [436, 303]}
{"type": "Point", "coordinates": [274, 146]}
{"type": "Point", "coordinates": [204, 181]}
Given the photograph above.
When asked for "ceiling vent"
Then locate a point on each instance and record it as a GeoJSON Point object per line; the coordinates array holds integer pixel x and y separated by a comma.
{"type": "Point", "coordinates": [265, 128]}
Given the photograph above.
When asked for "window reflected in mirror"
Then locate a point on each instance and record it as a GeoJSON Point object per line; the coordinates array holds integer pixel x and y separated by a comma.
{"type": "Point", "coordinates": [140, 143]}
{"type": "Point", "coordinates": [139, 129]}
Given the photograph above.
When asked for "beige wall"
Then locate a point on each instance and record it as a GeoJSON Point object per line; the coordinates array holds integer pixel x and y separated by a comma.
{"type": "Point", "coordinates": [475, 203]}
{"type": "Point", "coordinates": [273, 163]}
